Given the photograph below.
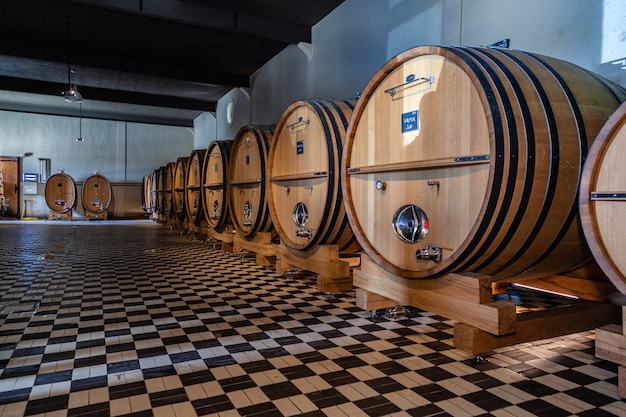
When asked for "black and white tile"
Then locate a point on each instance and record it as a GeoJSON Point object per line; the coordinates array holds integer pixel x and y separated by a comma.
{"type": "Point", "coordinates": [131, 319]}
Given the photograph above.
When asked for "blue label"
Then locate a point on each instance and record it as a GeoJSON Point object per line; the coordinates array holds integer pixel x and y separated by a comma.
{"type": "Point", "coordinates": [410, 121]}
{"type": "Point", "coordinates": [299, 147]}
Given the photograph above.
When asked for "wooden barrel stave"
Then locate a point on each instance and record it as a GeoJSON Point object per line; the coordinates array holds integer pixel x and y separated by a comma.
{"type": "Point", "coordinates": [603, 198]}
{"type": "Point", "coordinates": [303, 170]}
{"type": "Point", "coordinates": [193, 186]}
{"type": "Point", "coordinates": [214, 184]}
{"type": "Point", "coordinates": [96, 194]}
{"type": "Point", "coordinates": [168, 202]}
{"type": "Point", "coordinates": [60, 192]}
{"type": "Point", "coordinates": [179, 175]}
{"type": "Point", "coordinates": [247, 199]}
{"type": "Point", "coordinates": [467, 82]}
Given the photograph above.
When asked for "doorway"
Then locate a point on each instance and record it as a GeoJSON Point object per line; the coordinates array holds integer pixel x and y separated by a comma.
{"type": "Point", "coordinates": [10, 187]}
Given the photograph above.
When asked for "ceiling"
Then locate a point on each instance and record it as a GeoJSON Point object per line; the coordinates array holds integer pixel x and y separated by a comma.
{"type": "Point", "coordinates": [149, 61]}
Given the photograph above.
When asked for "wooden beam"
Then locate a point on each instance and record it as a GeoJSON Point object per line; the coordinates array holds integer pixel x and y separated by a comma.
{"type": "Point", "coordinates": [536, 325]}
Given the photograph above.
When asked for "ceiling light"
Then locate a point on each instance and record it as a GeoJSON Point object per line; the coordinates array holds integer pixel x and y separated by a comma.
{"type": "Point", "coordinates": [71, 94]}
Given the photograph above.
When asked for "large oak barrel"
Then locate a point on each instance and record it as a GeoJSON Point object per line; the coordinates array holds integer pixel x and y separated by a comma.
{"type": "Point", "coordinates": [60, 192]}
{"type": "Point", "coordinates": [214, 184]}
{"type": "Point", "coordinates": [468, 160]}
{"type": "Point", "coordinates": [168, 191]}
{"type": "Point", "coordinates": [157, 195]}
{"type": "Point", "coordinates": [145, 192]}
{"type": "Point", "coordinates": [156, 181]}
{"type": "Point", "coordinates": [96, 193]}
{"type": "Point", "coordinates": [304, 165]}
{"type": "Point", "coordinates": [247, 197]}
{"type": "Point", "coordinates": [179, 176]}
{"type": "Point", "coordinates": [603, 199]}
{"type": "Point", "coordinates": [193, 186]}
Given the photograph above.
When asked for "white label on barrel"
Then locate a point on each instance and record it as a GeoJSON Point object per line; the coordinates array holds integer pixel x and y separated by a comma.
{"type": "Point", "coordinates": [410, 121]}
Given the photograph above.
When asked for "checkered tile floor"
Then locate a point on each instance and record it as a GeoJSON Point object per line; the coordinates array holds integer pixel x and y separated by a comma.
{"type": "Point", "coordinates": [131, 319]}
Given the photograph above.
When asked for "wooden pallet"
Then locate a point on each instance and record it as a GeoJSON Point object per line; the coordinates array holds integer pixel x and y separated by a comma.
{"type": "Point", "coordinates": [261, 246]}
{"type": "Point", "coordinates": [611, 346]}
{"type": "Point", "coordinates": [334, 273]}
{"type": "Point", "coordinates": [481, 323]}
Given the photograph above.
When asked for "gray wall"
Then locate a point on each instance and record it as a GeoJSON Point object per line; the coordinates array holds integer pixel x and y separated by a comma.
{"type": "Point", "coordinates": [360, 36]}
{"type": "Point", "coordinates": [123, 152]}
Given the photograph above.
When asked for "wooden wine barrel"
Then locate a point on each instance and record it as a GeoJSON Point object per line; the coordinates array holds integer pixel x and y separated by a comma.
{"type": "Point", "coordinates": [155, 202]}
{"type": "Point", "coordinates": [214, 188]}
{"type": "Point", "coordinates": [146, 191]}
{"type": "Point", "coordinates": [157, 192]}
{"type": "Point", "coordinates": [179, 175]}
{"type": "Point", "coordinates": [168, 191]}
{"type": "Point", "coordinates": [96, 194]}
{"type": "Point", "coordinates": [468, 160]}
{"type": "Point", "coordinates": [603, 198]}
{"type": "Point", "coordinates": [304, 164]}
{"type": "Point", "coordinates": [193, 187]}
{"type": "Point", "coordinates": [247, 197]}
{"type": "Point", "coordinates": [60, 193]}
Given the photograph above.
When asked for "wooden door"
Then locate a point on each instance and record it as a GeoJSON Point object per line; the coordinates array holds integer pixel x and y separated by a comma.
{"type": "Point", "coordinates": [9, 172]}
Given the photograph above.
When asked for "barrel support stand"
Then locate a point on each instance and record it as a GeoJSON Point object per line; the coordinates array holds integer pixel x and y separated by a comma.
{"type": "Point", "coordinates": [57, 215]}
{"type": "Point", "coordinates": [261, 245]}
{"type": "Point", "coordinates": [224, 238]}
{"type": "Point", "coordinates": [481, 324]}
{"type": "Point", "coordinates": [196, 231]}
{"type": "Point", "coordinates": [334, 273]}
{"type": "Point", "coordinates": [611, 346]}
{"type": "Point", "coordinates": [96, 216]}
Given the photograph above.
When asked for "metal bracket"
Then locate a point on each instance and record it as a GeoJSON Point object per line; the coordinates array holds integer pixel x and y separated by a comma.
{"type": "Point", "coordinates": [409, 80]}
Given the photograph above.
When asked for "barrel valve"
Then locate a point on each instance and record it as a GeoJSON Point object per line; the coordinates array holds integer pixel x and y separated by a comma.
{"type": "Point", "coordinates": [381, 185]}
{"type": "Point", "coordinates": [432, 184]}
{"type": "Point", "coordinates": [430, 253]}
{"type": "Point", "coordinates": [304, 232]}
{"type": "Point", "coordinates": [300, 217]}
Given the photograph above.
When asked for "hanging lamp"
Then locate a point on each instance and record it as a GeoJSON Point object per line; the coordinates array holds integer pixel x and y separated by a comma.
{"type": "Point", "coordinates": [80, 122]}
{"type": "Point", "coordinates": [71, 94]}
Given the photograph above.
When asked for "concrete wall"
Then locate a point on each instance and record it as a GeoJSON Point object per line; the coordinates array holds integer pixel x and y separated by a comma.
{"type": "Point", "coordinates": [123, 152]}
{"type": "Point", "coordinates": [360, 36]}
{"type": "Point", "coordinates": [233, 113]}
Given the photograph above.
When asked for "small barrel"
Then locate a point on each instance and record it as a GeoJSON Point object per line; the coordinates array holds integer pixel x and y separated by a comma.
{"type": "Point", "coordinates": [60, 193]}
{"type": "Point", "coordinates": [214, 189]}
{"type": "Point", "coordinates": [179, 176]}
{"type": "Point", "coordinates": [247, 197]}
{"type": "Point", "coordinates": [168, 192]}
{"type": "Point", "coordinates": [462, 159]}
{"type": "Point", "coordinates": [304, 163]}
{"type": "Point", "coordinates": [603, 198]}
{"type": "Point", "coordinates": [96, 194]}
{"type": "Point", "coordinates": [193, 186]}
